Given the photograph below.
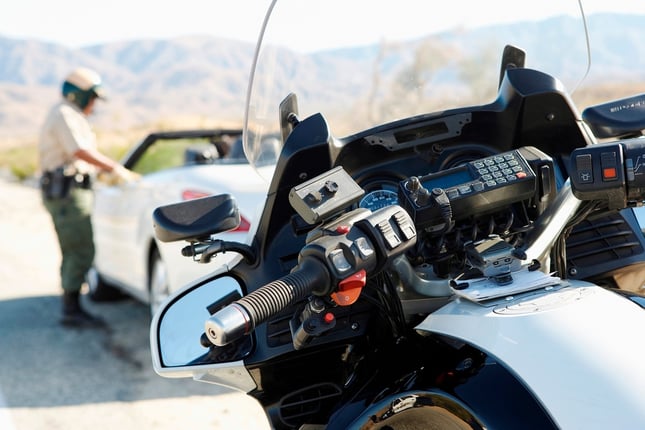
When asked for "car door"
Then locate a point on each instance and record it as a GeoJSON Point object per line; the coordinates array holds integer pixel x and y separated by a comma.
{"type": "Point", "coordinates": [123, 216]}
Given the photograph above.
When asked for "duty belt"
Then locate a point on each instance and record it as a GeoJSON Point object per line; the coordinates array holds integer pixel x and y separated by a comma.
{"type": "Point", "coordinates": [56, 184]}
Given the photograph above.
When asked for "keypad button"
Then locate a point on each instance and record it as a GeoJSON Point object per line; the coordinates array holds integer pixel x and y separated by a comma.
{"type": "Point", "coordinates": [465, 189]}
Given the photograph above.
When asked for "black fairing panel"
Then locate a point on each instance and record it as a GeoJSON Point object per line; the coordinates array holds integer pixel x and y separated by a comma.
{"type": "Point", "coordinates": [490, 397]}
{"type": "Point", "coordinates": [418, 410]}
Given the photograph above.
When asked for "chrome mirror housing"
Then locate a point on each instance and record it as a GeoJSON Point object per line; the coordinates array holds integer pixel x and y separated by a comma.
{"type": "Point", "coordinates": [179, 347]}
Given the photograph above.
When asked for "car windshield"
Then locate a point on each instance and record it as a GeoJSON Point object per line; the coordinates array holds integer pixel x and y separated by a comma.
{"type": "Point", "coordinates": [166, 150]}
{"type": "Point", "coordinates": [363, 63]}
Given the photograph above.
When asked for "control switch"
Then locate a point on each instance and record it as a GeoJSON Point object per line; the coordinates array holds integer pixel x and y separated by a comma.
{"type": "Point", "coordinates": [609, 166]}
{"type": "Point", "coordinates": [584, 167]}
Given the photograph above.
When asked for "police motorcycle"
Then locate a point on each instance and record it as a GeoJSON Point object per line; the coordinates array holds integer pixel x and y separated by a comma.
{"type": "Point", "coordinates": [438, 267]}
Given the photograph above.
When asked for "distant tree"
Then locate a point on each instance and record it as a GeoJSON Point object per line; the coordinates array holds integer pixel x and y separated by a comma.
{"type": "Point", "coordinates": [402, 77]}
{"type": "Point", "coordinates": [481, 81]}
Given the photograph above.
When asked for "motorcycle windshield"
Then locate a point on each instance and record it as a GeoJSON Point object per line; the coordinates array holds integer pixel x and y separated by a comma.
{"type": "Point", "coordinates": [363, 63]}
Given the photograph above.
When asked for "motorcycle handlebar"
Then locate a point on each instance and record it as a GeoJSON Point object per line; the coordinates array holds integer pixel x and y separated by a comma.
{"type": "Point", "coordinates": [242, 316]}
{"type": "Point", "coordinates": [360, 240]}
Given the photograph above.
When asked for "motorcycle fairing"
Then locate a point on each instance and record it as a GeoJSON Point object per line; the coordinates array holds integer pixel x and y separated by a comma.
{"type": "Point", "coordinates": [585, 325]}
{"type": "Point", "coordinates": [439, 380]}
{"type": "Point", "coordinates": [491, 398]}
{"type": "Point", "coordinates": [442, 380]}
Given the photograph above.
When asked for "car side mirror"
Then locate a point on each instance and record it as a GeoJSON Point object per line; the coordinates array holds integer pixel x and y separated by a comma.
{"type": "Point", "coordinates": [196, 219]}
{"type": "Point", "coordinates": [179, 346]}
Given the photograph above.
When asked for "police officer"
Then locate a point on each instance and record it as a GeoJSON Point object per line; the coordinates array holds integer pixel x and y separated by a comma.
{"type": "Point", "coordinates": [69, 159]}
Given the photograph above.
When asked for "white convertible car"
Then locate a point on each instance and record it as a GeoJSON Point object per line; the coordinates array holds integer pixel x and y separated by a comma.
{"type": "Point", "coordinates": [174, 166]}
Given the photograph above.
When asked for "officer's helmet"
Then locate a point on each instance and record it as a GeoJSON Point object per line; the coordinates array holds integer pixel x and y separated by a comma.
{"type": "Point", "coordinates": [81, 86]}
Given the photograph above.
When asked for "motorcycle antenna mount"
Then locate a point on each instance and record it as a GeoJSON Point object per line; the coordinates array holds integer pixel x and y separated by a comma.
{"type": "Point", "coordinates": [288, 115]}
{"type": "Point", "coordinates": [512, 58]}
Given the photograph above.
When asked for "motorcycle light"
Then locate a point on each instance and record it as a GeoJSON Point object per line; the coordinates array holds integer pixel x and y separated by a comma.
{"type": "Point", "coordinates": [193, 194]}
{"type": "Point", "coordinates": [244, 226]}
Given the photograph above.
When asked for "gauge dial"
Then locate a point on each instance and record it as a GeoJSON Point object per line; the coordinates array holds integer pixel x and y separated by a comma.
{"type": "Point", "coordinates": [378, 199]}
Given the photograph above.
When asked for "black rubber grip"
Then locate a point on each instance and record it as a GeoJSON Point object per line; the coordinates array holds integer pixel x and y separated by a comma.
{"type": "Point", "coordinates": [272, 298]}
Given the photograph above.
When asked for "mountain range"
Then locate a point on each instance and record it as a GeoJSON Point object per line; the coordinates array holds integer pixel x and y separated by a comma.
{"type": "Point", "coordinates": [157, 81]}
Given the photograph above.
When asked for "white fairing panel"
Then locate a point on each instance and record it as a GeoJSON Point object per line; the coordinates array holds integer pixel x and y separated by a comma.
{"type": "Point", "coordinates": [579, 348]}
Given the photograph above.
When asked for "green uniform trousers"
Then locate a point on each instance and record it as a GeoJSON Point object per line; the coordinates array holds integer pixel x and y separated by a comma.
{"type": "Point", "coordinates": [73, 224]}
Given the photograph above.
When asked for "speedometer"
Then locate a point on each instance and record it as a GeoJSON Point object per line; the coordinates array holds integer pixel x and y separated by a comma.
{"type": "Point", "coordinates": [378, 199]}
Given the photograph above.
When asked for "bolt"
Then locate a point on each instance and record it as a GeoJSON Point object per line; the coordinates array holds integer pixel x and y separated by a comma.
{"type": "Point", "coordinates": [466, 364]}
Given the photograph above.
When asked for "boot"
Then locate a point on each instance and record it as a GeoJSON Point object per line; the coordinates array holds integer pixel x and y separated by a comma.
{"type": "Point", "coordinates": [75, 316]}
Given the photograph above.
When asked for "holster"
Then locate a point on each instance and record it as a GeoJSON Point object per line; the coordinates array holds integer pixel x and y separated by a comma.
{"type": "Point", "coordinates": [55, 184]}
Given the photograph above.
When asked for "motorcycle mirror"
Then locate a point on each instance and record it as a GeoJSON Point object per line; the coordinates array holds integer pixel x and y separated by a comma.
{"type": "Point", "coordinates": [196, 219]}
{"type": "Point", "coordinates": [178, 344]}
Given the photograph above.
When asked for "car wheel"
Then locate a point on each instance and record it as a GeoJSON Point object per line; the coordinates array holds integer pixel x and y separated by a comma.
{"type": "Point", "coordinates": [159, 289]}
{"type": "Point", "coordinates": [99, 289]}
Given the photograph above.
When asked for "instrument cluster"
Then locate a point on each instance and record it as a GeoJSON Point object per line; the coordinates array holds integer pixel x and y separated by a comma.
{"type": "Point", "coordinates": [381, 190]}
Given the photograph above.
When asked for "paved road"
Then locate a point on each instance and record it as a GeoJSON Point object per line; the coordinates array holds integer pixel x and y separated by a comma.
{"type": "Point", "coordinates": [53, 378]}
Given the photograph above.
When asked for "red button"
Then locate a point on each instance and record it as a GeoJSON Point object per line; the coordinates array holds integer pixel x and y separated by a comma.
{"type": "Point", "coordinates": [328, 318]}
{"type": "Point", "coordinates": [609, 173]}
{"type": "Point", "coordinates": [342, 229]}
{"type": "Point", "coordinates": [520, 175]}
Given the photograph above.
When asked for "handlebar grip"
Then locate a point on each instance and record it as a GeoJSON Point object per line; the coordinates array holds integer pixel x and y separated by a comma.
{"type": "Point", "coordinates": [242, 316]}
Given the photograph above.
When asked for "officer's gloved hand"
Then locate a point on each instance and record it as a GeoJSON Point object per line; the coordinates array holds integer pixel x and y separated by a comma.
{"type": "Point", "coordinates": [118, 176]}
{"type": "Point", "coordinates": [125, 175]}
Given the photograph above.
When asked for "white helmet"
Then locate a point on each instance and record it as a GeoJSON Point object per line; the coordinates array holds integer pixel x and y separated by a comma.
{"type": "Point", "coordinates": [81, 86]}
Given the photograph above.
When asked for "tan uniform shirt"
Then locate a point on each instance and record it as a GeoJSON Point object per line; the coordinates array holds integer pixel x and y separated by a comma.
{"type": "Point", "coordinates": [66, 130]}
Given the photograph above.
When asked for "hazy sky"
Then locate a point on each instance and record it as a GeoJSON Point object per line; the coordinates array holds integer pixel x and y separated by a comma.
{"type": "Point", "coordinates": [76, 23]}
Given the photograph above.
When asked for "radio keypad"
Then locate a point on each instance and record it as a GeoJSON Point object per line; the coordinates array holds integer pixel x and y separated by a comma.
{"type": "Point", "coordinates": [496, 170]}
{"type": "Point", "coordinates": [484, 184]}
